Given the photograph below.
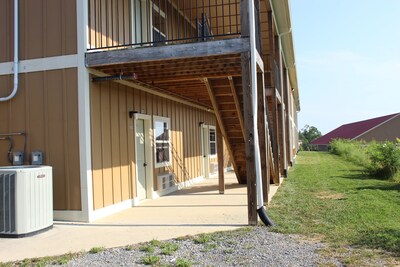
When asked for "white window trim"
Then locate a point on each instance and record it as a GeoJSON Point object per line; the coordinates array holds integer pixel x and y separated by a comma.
{"type": "Point", "coordinates": [167, 120]}
{"type": "Point", "coordinates": [209, 141]}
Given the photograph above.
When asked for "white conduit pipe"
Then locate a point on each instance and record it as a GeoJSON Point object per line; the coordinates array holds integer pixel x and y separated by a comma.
{"type": "Point", "coordinates": [260, 202]}
{"type": "Point", "coordinates": [14, 92]}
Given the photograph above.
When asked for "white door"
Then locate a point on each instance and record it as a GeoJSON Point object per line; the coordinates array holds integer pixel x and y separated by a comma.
{"type": "Point", "coordinates": [141, 159]}
{"type": "Point", "coordinates": [205, 145]}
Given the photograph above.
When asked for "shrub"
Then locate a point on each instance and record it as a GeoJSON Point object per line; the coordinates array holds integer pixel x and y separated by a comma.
{"type": "Point", "coordinates": [381, 160]}
{"type": "Point", "coordinates": [385, 159]}
{"type": "Point", "coordinates": [354, 151]}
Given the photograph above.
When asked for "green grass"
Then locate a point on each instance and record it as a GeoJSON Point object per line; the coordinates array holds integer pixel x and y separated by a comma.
{"type": "Point", "coordinates": [168, 248]}
{"type": "Point", "coordinates": [129, 247]}
{"type": "Point", "coordinates": [328, 198]}
{"type": "Point", "coordinates": [202, 238]}
{"type": "Point", "coordinates": [44, 261]}
{"type": "Point", "coordinates": [147, 248]}
{"type": "Point", "coordinates": [155, 242]}
{"type": "Point", "coordinates": [96, 250]}
{"type": "Point", "coordinates": [150, 259]}
{"type": "Point", "coordinates": [183, 263]}
{"type": "Point", "coordinates": [209, 247]}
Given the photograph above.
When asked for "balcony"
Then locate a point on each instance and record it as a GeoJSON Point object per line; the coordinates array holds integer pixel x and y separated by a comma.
{"type": "Point", "coordinates": [142, 23]}
{"type": "Point", "coordinates": [169, 45]}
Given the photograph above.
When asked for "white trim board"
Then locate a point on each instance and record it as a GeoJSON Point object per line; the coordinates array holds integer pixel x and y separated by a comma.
{"type": "Point", "coordinates": [69, 215]}
{"type": "Point", "coordinates": [85, 142]}
{"type": "Point", "coordinates": [40, 64]}
{"type": "Point", "coordinates": [110, 210]}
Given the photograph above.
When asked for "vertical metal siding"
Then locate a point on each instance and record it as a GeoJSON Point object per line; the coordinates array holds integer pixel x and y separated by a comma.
{"type": "Point", "coordinates": [113, 150]}
{"type": "Point", "coordinates": [46, 109]}
{"type": "Point", "coordinates": [47, 28]}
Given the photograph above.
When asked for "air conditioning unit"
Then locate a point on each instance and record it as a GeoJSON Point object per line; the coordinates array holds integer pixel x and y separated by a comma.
{"type": "Point", "coordinates": [26, 200]}
{"type": "Point", "coordinates": [165, 181]}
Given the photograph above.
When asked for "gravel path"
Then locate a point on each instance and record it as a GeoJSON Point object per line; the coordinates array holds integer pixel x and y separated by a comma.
{"type": "Point", "coordinates": [246, 247]}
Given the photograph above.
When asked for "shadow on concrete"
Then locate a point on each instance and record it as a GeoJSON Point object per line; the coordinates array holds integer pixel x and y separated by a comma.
{"type": "Point", "coordinates": [148, 225]}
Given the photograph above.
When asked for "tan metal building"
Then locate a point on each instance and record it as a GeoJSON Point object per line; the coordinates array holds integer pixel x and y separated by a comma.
{"type": "Point", "coordinates": [380, 129]}
{"type": "Point", "coordinates": [131, 99]}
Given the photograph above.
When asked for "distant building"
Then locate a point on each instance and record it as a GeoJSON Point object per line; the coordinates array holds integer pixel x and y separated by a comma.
{"type": "Point", "coordinates": [386, 128]}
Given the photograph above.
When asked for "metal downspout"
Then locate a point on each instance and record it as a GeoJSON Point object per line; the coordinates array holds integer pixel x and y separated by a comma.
{"type": "Point", "coordinates": [260, 202]}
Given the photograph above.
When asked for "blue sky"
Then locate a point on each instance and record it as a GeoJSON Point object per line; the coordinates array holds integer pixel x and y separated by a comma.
{"type": "Point", "coordinates": [348, 60]}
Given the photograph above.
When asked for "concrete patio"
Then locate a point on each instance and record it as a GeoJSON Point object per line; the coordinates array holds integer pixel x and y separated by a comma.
{"type": "Point", "coordinates": [194, 210]}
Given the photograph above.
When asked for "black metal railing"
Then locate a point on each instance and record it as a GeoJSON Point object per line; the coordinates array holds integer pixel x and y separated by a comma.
{"type": "Point", "coordinates": [135, 23]}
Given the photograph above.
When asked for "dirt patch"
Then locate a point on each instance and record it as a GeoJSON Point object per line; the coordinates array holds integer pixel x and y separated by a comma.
{"type": "Point", "coordinates": [330, 195]}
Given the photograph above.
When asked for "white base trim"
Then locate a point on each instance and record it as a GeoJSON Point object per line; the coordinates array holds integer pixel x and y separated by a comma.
{"type": "Point", "coordinates": [40, 64]}
{"type": "Point", "coordinates": [112, 209]}
{"type": "Point", "coordinates": [69, 215]}
{"type": "Point", "coordinates": [136, 201]}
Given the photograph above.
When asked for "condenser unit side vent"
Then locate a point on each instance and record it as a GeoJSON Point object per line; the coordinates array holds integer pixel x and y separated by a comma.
{"type": "Point", "coordinates": [7, 202]}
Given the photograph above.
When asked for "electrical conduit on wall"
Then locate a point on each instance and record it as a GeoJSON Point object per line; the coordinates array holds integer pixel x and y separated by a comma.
{"type": "Point", "coordinates": [15, 89]}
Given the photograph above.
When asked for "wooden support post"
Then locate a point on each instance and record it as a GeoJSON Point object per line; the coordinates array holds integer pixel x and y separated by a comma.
{"type": "Point", "coordinates": [248, 118]}
{"type": "Point", "coordinates": [287, 118]}
{"type": "Point", "coordinates": [290, 131]}
{"type": "Point", "coordinates": [262, 137]}
{"type": "Point", "coordinates": [237, 104]}
{"type": "Point", "coordinates": [220, 152]}
{"type": "Point", "coordinates": [274, 113]}
{"type": "Point", "coordinates": [248, 122]}
{"type": "Point", "coordinates": [281, 112]}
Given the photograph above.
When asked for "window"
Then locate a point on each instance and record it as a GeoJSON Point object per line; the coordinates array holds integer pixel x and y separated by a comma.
{"type": "Point", "coordinates": [213, 142]}
{"type": "Point", "coordinates": [162, 141]}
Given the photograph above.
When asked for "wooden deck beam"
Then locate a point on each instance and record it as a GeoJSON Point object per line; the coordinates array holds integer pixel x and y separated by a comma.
{"type": "Point", "coordinates": [181, 51]}
{"type": "Point", "coordinates": [237, 105]}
